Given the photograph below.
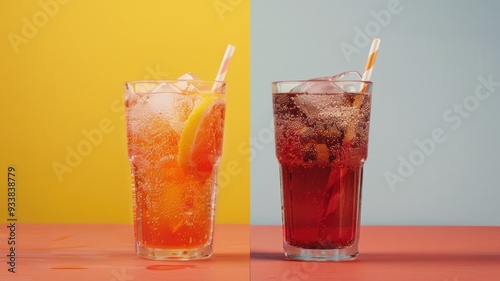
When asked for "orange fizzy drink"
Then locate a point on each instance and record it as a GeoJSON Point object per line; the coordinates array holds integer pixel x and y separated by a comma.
{"type": "Point", "coordinates": [174, 133]}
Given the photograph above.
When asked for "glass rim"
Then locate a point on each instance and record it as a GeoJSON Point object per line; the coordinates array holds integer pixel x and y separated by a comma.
{"type": "Point", "coordinates": [321, 80]}
{"type": "Point", "coordinates": [173, 81]}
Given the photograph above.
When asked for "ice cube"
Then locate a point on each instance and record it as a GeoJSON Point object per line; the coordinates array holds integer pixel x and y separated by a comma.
{"type": "Point", "coordinates": [197, 87]}
{"type": "Point", "coordinates": [178, 111]}
{"type": "Point", "coordinates": [191, 83]}
{"type": "Point", "coordinates": [188, 76]}
{"type": "Point", "coordinates": [317, 86]}
{"type": "Point", "coordinates": [165, 88]}
{"type": "Point", "coordinates": [184, 83]}
{"type": "Point", "coordinates": [317, 106]}
{"type": "Point", "coordinates": [322, 106]}
{"type": "Point", "coordinates": [159, 102]}
{"type": "Point", "coordinates": [327, 84]}
{"type": "Point", "coordinates": [348, 75]}
{"type": "Point", "coordinates": [142, 87]}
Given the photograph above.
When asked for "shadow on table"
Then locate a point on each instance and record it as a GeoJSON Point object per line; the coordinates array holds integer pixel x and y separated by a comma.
{"type": "Point", "coordinates": [267, 256]}
{"type": "Point", "coordinates": [430, 257]}
{"type": "Point", "coordinates": [230, 258]}
{"type": "Point", "coordinates": [402, 258]}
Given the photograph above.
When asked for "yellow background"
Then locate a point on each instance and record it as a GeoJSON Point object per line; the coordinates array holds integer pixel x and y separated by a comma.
{"type": "Point", "coordinates": [67, 76]}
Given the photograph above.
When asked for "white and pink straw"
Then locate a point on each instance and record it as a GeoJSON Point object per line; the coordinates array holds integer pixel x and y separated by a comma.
{"type": "Point", "coordinates": [221, 74]}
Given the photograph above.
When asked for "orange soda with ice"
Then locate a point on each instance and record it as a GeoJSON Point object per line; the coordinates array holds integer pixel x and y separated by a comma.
{"type": "Point", "coordinates": [174, 133]}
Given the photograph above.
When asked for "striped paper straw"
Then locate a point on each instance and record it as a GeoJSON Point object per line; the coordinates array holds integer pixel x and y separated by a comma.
{"type": "Point", "coordinates": [368, 70]}
{"type": "Point", "coordinates": [370, 62]}
{"type": "Point", "coordinates": [221, 74]}
{"type": "Point", "coordinates": [351, 129]}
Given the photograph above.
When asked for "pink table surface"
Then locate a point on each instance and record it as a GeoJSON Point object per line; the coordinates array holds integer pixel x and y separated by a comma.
{"type": "Point", "coordinates": [440, 253]}
{"type": "Point", "coordinates": [106, 252]}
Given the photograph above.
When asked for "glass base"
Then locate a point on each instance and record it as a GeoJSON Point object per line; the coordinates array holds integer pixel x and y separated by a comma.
{"type": "Point", "coordinates": [345, 254]}
{"type": "Point", "coordinates": [174, 254]}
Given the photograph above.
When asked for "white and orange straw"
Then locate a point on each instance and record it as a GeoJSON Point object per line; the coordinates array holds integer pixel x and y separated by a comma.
{"type": "Point", "coordinates": [372, 56]}
{"type": "Point", "coordinates": [224, 65]}
{"type": "Point", "coordinates": [351, 130]}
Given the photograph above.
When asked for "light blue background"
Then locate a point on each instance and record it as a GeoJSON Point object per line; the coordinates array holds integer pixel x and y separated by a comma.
{"type": "Point", "coordinates": [431, 55]}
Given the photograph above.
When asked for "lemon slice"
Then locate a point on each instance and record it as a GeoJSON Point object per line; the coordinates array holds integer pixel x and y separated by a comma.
{"type": "Point", "coordinates": [191, 127]}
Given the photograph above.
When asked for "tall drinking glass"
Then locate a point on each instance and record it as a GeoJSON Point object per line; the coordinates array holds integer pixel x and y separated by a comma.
{"type": "Point", "coordinates": [321, 130]}
{"type": "Point", "coordinates": [174, 132]}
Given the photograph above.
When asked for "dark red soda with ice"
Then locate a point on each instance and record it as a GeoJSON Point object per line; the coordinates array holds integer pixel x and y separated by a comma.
{"type": "Point", "coordinates": [321, 144]}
